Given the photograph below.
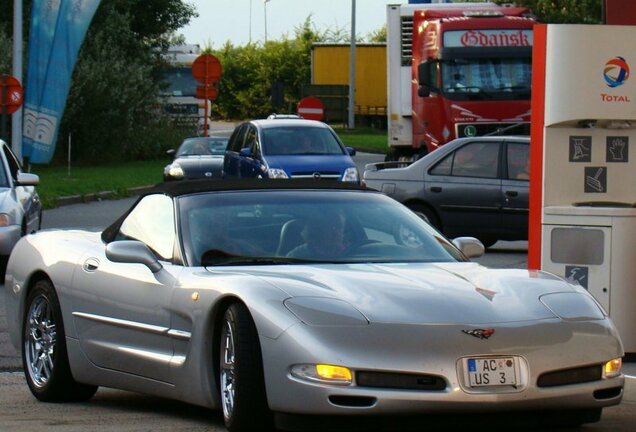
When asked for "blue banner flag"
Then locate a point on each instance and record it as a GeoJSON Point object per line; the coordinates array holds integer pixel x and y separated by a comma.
{"type": "Point", "coordinates": [58, 28]}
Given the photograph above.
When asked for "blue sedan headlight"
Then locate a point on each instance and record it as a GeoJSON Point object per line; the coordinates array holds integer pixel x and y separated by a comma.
{"type": "Point", "coordinates": [324, 311]}
{"type": "Point", "coordinates": [351, 175]}
{"type": "Point", "coordinates": [572, 306]}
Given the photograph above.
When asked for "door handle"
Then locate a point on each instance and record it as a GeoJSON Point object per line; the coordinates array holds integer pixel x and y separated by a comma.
{"type": "Point", "coordinates": [436, 189]}
{"type": "Point", "coordinates": [91, 264]}
{"type": "Point", "coordinates": [512, 193]}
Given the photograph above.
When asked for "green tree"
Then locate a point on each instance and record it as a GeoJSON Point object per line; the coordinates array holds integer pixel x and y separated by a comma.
{"type": "Point", "coordinates": [378, 35]}
{"type": "Point", "coordinates": [112, 109]}
{"type": "Point", "coordinates": [562, 11]}
{"type": "Point", "coordinates": [250, 71]}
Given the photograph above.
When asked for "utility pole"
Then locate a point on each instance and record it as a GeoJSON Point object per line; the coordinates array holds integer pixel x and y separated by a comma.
{"type": "Point", "coordinates": [265, 13]}
{"type": "Point", "coordinates": [16, 117]}
{"type": "Point", "coordinates": [352, 67]}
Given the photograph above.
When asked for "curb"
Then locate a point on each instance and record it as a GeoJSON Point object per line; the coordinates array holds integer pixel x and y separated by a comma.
{"type": "Point", "coordinates": [99, 196]}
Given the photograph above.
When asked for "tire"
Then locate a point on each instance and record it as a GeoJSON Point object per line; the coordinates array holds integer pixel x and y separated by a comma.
{"type": "Point", "coordinates": [427, 214]}
{"type": "Point", "coordinates": [241, 380]}
{"type": "Point", "coordinates": [44, 354]}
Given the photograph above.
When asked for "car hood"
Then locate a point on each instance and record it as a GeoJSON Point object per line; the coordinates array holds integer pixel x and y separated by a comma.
{"type": "Point", "coordinates": [4, 194]}
{"type": "Point", "coordinates": [308, 164]}
{"type": "Point", "coordinates": [199, 165]}
{"type": "Point", "coordinates": [460, 293]}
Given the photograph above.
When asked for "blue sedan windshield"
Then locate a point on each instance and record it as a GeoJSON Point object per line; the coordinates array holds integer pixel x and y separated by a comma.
{"type": "Point", "coordinates": [287, 227]}
{"type": "Point", "coordinates": [300, 141]}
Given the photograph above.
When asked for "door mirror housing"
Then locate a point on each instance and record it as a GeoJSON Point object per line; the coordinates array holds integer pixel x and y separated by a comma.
{"type": "Point", "coordinates": [426, 78]}
{"type": "Point", "coordinates": [245, 152]}
{"type": "Point", "coordinates": [132, 252]}
{"type": "Point", "coordinates": [27, 179]}
{"type": "Point", "coordinates": [470, 246]}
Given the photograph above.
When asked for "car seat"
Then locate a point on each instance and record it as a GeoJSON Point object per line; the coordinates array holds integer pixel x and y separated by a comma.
{"type": "Point", "coordinates": [290, 236]}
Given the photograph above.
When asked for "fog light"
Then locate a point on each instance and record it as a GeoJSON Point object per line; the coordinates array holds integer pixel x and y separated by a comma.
{"type": "Point", "coordinates": [328, 374]}
{"type": "Point", "coordinates": [612, 368]}
{"type": "Point", "coordinates": [333, 373]}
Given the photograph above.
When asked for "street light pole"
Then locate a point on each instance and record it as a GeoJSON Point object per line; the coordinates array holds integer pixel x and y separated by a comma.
{"type": "Point", "coordinates": [250, 21]}
{"type": "Point", "coordinates": [16, 118]}
{"type": "Point", "coordinates": [352, 67]}
{"type": "Point", "coordinates": [265, 13]}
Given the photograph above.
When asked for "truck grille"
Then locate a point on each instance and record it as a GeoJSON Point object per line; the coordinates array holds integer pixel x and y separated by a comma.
{"type": "Point", "coordinates": [481, 129]}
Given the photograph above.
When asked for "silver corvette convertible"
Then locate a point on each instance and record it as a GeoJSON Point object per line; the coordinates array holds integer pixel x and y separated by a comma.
{"type": "Point", "coordinates": [278, 300]}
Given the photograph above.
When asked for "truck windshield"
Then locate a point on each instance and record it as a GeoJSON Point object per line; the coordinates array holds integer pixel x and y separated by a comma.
{"type": "Point", "coordinates": [486, 78]}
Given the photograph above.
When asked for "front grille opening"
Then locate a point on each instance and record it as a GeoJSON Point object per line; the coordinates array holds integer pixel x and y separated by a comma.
{"type": "Point", "coordinates": [400, 381]}
{"type": "Point", "coordinates": [609, 393]}
{"type": "Point", "coordinates": [353, 401]}
{"type": "Point", "coordinates": [570, 376]}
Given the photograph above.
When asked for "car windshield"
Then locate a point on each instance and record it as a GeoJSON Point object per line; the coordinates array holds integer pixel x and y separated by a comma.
{"type": "Point", "coordinates": [296, 140]}
{"type": "Point", "coordinates": [203, 146]}
{"type": "Point", "coordinates": [288, 227]}
{"type": "Point", "coordinates": [4, 181]}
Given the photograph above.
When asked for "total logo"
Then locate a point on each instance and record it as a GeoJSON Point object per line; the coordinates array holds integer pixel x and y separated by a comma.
{"type": "Point", "coordinates": [616, 73]}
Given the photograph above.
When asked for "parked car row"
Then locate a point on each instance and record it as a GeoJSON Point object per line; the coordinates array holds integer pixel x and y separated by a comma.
{"type": "Point", "coordinates": [278, 147]}
{"type": "Point", "coordinates": [472, 186]}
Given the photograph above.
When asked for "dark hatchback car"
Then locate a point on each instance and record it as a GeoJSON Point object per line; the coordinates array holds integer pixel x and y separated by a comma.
{"type": "Point", "coordinates": [197, 158]}
{"type": "Point", "coordinates": [288, 148]}
{"type": "Point", "coordinates": [469, 187]}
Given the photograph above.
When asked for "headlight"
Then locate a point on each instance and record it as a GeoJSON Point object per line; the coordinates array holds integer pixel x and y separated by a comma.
{"type": "Point", "coordinates": [612, 368]}
{"type": "Point", "coordinates": [174, 171]}
{"type": "Point", "coordinates": [571, 306]}
{"type": "Point", "coordinates": [328, 374]}
{"type": "Point", "coordinates": [351, 175]}
{"type": "Point", "coordinates": [5, 220]}
{"type": "Point", "coordinates": [276, 173]}
{"type": "Point", "coordinates": [323, 311]}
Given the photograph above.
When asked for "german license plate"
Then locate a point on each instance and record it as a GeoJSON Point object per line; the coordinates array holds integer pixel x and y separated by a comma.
{"type": "Point", "coordinates": [486, 372]}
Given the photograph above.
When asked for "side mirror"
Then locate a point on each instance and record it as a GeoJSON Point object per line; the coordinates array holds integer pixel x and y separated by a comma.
{"type": "Point", "coordinates": [351, 151]}
{"type": "Point", "coordinates": [171, 152]}
{"type": "Point", "coordinates": [470, 246]}
{"type": "Point", "coordinates": [425, 79]}
{"type": "Point", "coordinates": [27, 179]}
{"type": "Point", "coordinates": [132, 252]}
{"type": "Point", "coordinates": [245, 152]}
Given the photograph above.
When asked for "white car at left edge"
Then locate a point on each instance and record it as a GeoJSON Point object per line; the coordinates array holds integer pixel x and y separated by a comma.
{"type": "Point", "coordinates": [20, 206]}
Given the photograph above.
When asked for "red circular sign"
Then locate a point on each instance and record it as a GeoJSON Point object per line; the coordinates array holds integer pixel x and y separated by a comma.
{"type": "Point", "coordinates": [206, 92]}
{"type": "Point", "coordinates": [10, 94]}
{"type": "Point", "coordinates": [311, 108]}
{"type": "Point", "coordinates": [206, 69]}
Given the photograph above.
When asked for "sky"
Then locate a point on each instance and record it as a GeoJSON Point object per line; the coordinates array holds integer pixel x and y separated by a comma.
{"type": "Point", "coordinates": [223, 20]}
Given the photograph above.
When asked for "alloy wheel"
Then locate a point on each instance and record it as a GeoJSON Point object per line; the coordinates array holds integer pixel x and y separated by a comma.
{"type": "Point", "coordinates": [40, 344]}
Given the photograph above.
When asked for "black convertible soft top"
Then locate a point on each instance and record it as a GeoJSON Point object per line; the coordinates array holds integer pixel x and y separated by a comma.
{"type": "Point", "coordinates": [186, 187]}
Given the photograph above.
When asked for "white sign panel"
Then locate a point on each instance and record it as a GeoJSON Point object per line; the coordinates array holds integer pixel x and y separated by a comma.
{"type": "Point", "coordinates": [588, 73]}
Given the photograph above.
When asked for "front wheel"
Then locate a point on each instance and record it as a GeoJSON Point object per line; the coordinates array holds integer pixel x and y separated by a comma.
{"type": "Point", "coordinates": [242, 384]}
{"type": "Point", "coordinates": [44, 355]}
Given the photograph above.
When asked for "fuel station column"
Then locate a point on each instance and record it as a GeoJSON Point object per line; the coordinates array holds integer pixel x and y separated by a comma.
{"type": "Point", "coordinates": [583, 164]}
